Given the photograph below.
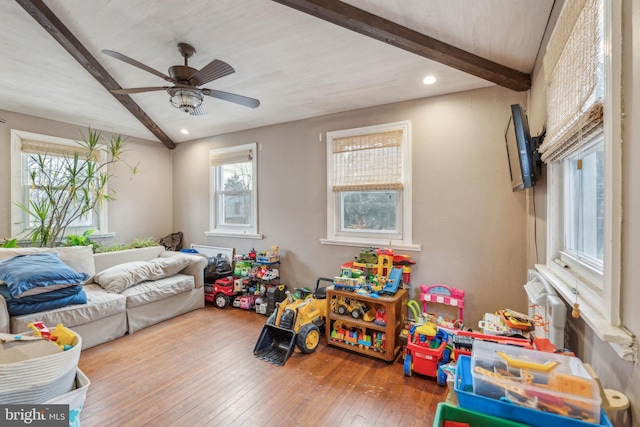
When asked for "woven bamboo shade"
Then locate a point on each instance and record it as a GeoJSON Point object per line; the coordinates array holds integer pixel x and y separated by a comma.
{"type": "Point", "coordinates": [230, 157]}
{"type": "Point", "coordinates": [30, 146]}
{"type": "Point", "coordinates": [573, 74]}
{"type": "Point", "coordinates": [368, 162]}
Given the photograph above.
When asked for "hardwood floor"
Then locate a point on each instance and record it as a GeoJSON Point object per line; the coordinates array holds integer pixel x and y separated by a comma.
{"type": "Point", "coordinates": [199, 370]}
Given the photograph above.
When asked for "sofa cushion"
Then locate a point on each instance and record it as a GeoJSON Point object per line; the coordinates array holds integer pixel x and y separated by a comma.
{"type": "Point", "coordinates": [122, 276]}
{"type": "Point", "coordinates": [37, 273]}
{"type": "Point", "coordinates": [150, 291]}
{"type": "Point", "coordinates": [80, 258]}
{"type": "Point", "coordinates": [100, 304]}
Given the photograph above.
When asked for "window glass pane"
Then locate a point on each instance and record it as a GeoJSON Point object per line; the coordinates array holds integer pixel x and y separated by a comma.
{"type": "Point", "coordinates": [234, 194]}
{"type": "Point", "coordinates": [236, 176]}
{"type": "Point", "coordinates": [236, 208]}
{"type": "Point", "coordinates": [52, 172]}
{"type": "Point", "coordinates": [369, 211]}
{"type": "Point", "coordinates": [586, 200]}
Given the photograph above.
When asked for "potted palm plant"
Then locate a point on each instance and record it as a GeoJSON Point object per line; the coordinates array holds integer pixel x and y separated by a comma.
{"type": "Point", "coordinates": [65, 188]}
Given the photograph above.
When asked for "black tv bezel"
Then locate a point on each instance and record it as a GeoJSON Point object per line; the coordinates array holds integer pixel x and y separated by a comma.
{"type": "Point", "coordinates": [526, 176]}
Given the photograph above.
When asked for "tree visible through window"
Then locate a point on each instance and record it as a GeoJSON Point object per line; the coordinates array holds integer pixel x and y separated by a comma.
{"type": "Point", "coordinates": [233, 190]}
{"type": "Point", "coordinates": [369, 185]}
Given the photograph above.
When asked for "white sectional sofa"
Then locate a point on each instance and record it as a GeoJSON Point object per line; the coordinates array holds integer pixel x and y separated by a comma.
{"type": "Point", "coordinates": [111, 312]}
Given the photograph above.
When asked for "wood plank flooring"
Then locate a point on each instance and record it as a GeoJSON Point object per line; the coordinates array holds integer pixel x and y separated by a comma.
{"type": "Point", "coordinates": [198, 369]}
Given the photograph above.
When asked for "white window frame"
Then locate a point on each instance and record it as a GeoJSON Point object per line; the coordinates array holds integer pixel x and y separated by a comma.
{"type": "Point", "coordinates": [335, 236]}
{"type": "Point", "coordinates": [243, 231]}
{"type": "Point", "coordinates": [18, 217]}
{"type": "Point", "coordinates": [599, 303]}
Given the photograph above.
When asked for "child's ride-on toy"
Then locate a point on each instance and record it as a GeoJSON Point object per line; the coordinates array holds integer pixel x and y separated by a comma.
{"type": "Point", "coordinates": [295, 322]}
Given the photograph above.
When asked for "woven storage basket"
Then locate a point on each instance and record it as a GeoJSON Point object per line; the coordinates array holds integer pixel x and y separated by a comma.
{"type": "Point", "coordinates": [75, 398]}
{"type": "Point", "coordinates": [38, 380]}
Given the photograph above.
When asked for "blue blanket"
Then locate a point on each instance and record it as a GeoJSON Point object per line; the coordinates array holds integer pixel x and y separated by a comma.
{"type": "Point", "coordinates": [44, 301]}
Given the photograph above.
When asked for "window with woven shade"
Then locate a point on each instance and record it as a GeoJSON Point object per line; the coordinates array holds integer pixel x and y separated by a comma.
{"type": "Point", "coordinates": [233, 198]}
{"type": "Point", "coordinates": [368, 184]}
{"type": "Point", "coordinates": [582, 151]}
{"type": "Point", "coordinates": [54, 155]}
{"type": "Point", "coordinates": [573, 69]}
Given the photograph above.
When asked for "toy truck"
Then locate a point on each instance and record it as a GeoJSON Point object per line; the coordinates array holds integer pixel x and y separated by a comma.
{"type": "Point", "coordinates": [222, 293]}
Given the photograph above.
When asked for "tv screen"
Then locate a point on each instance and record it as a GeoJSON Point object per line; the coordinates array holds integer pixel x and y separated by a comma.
{"type": "Point", "coordinates": [520, 150]}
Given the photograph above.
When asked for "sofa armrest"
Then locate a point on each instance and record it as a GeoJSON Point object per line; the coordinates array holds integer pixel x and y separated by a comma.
{"type": "Point", "coordinates": [5, 319]}
{"type": "Point", "coordinates": [195, 269]}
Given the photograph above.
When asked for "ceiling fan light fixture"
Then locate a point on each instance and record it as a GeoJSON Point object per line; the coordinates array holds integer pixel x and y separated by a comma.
{"type": "Point", "coordinates": [186, 99]}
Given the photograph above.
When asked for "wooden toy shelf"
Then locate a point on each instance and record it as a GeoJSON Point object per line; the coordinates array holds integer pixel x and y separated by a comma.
{"type": "Point", "coordinates": [396, 312]}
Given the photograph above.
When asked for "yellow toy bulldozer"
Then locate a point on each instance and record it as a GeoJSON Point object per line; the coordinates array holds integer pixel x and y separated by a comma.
{"type": "Point", "coordinates": [295, 322]}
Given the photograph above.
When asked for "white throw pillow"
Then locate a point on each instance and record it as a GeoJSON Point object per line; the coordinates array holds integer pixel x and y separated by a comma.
{"type": "Point", "coordinates": [122, 276]}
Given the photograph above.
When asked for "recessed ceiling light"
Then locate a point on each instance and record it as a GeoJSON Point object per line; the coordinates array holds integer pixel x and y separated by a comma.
{"type": "Point", "coordinates": [429, 80]}
{"type": "Point", "coordinates": [184, 131]}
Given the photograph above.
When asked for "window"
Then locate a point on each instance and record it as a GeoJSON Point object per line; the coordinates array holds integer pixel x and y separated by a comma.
{"type": "Point", "coordinates": [27, 156]}
{"type": "Point", "coordinates": [234, 209]}
{"type": "Point", "coordinates": [369, 186]}
{"type": "Point", "coordinates": [582, 77]}
{"type": "Point", "coordinates": [584, 213]}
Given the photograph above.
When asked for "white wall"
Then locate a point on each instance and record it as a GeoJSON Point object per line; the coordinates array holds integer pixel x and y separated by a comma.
{"type": "Point", "coordinates": [471, 226]}
{"type": "Point", "coordinates": [144, 204]}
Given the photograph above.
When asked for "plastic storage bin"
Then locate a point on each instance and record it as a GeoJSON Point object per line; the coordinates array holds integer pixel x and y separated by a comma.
{"type": "Point", "coordinates": [467, 399]}
{"type": "Point", "coordinates": [446, 412]}
{"type": "Point", "coordinates": [547, 381]}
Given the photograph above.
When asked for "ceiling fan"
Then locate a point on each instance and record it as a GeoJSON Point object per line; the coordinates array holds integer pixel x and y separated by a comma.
{"type": "Point", "coordinates": [186, 95]}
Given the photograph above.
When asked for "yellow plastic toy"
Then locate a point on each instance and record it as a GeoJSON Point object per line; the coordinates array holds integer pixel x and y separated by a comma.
{"type": "Point", "coordinates": [63, 336]}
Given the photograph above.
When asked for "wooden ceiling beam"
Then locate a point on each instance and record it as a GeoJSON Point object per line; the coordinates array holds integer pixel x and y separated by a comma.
{"type": "Point", "coordinates": [50, 22]}
{"type": "Point", "coordinates": [368, 24]}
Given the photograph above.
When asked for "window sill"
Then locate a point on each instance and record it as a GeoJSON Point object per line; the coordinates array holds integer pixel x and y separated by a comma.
{"type": "Point", "coordinates": [234, 235]}
{"type": "Point", "coordinates": [621, 340]}
{"type": "Point", "coordinates": [369, 243]}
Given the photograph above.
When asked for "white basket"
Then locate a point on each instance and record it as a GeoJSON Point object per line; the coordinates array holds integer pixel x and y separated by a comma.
{"type": "Point", "coordinates": [75, 398]}
{"type": "Point", "coordinates": [40, 379]}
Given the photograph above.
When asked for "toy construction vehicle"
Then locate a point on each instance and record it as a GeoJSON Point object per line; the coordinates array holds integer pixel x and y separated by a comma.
{"type": "Point", "coordinates": [295, 322]}
{"type": "Point", "coordinates": [351, 306]}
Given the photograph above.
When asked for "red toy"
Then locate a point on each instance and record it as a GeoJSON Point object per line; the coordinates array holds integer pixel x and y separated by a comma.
{"type": "Point", "coordinates": [381, 317]}
{"type": "Point", "coordinates": [223, 292]}
{"type": "Point", "coordinates": [41, 330]}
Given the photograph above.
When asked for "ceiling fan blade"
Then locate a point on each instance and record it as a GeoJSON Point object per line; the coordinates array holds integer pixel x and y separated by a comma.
{"type": "Point", "coordinates": [210, 72]}
{"type": "Point", "coordinates": [198, 111]}
{"type": "Point", "coordinates": [231, 97]}
{"type": "Point", "coordinates": [135, 63]}
{"type": "Point", "coordinates": [138, 90]}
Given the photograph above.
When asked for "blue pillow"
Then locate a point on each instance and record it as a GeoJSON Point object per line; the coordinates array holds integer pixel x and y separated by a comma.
{"type": "Point", "coordinates": [37, 273]}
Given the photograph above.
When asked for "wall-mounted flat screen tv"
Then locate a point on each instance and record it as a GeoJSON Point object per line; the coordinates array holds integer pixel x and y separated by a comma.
{"type": "Point", "coordinates": [521, 150]}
